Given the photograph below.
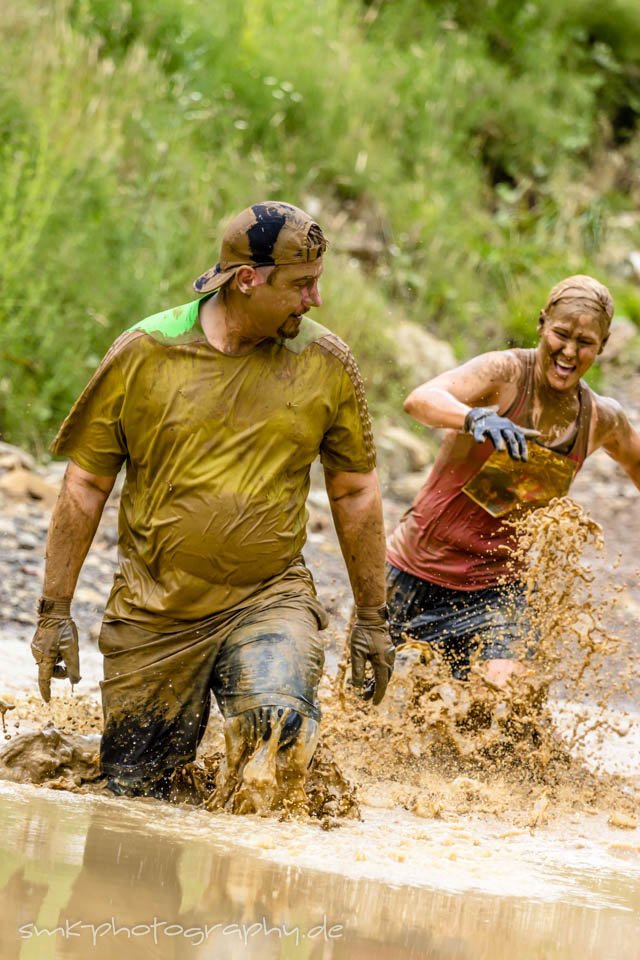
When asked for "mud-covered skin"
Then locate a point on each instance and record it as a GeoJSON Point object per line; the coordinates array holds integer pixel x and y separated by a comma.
{"type": "Point", "coordinates": [74, 519]}
{"type": "Point", "coordinates": [356, 508]}
{"type": "Point", "coordinates": [278, 303]}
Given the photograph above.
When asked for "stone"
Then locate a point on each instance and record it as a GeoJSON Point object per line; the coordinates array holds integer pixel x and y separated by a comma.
{"type": "Point", "coordinates": [89, 595]}
{"type": "Point", "coordinates": [20, 484]}
{"type": "Point", "coordinates": [7, 527]}
{"type": "Point", "coordinates": [406, 487]}
{"type": "Point", "coordinates": [12, 457]}
{"type": "Point", "coordinates": [421, 352]}
{"type": "Point", "coordinates": [27, 541]}
{"type": "Point", "coordinates": [318, 498]}
{"type": "Point", "coordinates": [403, 451]}
{"type": "Point", "coordinates": [633, 259]}
{"type": "Point", "coordinates": [318, 520]}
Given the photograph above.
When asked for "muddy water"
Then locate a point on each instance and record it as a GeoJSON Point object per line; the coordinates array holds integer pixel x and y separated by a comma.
{"type": "Point", "coordinates": [92, 877]}
{"type": "Point", "coordinates": [561, 736]}
{"type": "Point", "coordinates": [494, 823]}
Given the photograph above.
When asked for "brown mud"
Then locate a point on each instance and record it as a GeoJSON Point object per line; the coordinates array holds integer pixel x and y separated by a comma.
{"type": "Point", "coordinates": [453, 747]}
{"type": "Point", "coordinates": [60, 760]}
{"type": "Point", "coordinates": [437, 746]}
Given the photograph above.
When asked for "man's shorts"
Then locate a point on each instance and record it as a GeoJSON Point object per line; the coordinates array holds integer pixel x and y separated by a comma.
{"type": "Point", "coordinates": [156, 694]}
{"type": "Point", "coordinates": [461, 625]}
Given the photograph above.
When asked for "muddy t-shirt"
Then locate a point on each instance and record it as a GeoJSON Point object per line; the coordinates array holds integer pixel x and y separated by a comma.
{"type": "Point", "coordinates": [217, 451]}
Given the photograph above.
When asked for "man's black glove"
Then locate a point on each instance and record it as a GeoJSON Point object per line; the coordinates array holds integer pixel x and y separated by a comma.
{"type": "Point", "coordinates": [55, 645]}
{"type": "Point", "coordinates": [483, 423]}
{"type": "Point", "coordinates": [370, 641]}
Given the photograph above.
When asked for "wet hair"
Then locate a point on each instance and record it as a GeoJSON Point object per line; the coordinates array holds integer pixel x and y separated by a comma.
{"type": "Point", "coordinates": [588, 295]}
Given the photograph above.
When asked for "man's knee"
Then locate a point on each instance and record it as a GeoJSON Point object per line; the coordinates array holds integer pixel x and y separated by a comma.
{"type": "Point", "coordinates": [262, 723]}
{"type": "Point", "coordinates": [294, 733]}
{"type": "Point", "coordinates": [298, 742]}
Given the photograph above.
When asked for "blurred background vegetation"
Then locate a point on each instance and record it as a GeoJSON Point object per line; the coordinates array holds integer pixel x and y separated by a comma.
{"type": "Point", "coordinates": [462, 156]}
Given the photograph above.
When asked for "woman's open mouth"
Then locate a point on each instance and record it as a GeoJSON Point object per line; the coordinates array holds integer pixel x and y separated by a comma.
{"type": "Point", "coordinates": [563, 369]}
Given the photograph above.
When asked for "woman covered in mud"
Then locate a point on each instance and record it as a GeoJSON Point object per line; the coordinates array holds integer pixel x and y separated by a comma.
{"type": "Point", "coordinates": [520, 423]}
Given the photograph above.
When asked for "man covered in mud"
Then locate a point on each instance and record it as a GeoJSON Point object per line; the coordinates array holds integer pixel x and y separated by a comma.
{"type": "Point", "coordinates": [519, 423]}
{"type": "Point", "coordinates": [217, 409]}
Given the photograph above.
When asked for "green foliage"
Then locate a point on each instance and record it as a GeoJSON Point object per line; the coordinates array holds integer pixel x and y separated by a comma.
{"type": "Point", "coordinates": [365, 319]}
{"type": "Point", "coordinates": [463, 142]}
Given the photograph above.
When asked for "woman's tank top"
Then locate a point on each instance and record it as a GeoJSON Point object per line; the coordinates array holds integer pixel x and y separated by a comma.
{"type": "Point", "coordinates": [448, 539]}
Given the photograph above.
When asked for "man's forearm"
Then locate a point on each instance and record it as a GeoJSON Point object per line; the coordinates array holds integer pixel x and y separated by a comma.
{"type": "Point", "coordinates": [360, 527]}
{"type": "Point", "coordinates": [74, 522]}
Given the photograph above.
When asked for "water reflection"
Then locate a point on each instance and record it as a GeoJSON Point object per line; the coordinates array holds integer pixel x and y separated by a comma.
{"type": "Point", "coordinates": [86, 877]}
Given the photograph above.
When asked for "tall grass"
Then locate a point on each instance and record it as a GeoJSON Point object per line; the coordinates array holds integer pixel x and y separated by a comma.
{"type": "Point", "coordinates": [456, 152]}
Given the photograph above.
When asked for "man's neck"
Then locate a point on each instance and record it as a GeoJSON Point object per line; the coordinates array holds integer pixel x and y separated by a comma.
{"type": "Point", "coordinates": [226, 327]}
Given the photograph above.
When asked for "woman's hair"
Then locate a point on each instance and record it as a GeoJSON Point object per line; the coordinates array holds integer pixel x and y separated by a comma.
{"type": "Point", "coordinates": [589, 295]}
